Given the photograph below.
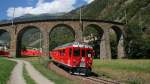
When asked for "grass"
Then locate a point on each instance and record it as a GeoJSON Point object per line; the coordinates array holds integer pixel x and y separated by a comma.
{"type": "Point", "coordinates": [51, 75]}
{"type": "Point", "coordinates": [128, 71]}
{"type": "Point", "coordinates": [26, 76]}
{"type": "Point", "coordinates": [6, 66]}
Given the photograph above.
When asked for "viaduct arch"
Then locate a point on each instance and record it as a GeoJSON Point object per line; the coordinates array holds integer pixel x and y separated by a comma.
{"type": "Point", "coordinates": [46, 26]}
{"type": "Point", "coordinates": [20, 36]}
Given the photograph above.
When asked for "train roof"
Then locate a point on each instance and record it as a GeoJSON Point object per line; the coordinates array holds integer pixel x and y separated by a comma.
{"type": "Point", "coordinates": [75, 44]}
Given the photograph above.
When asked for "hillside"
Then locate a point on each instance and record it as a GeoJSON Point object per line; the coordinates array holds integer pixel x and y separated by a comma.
{"type": "Point", "coordinates": [134, 13]}
{"type": "Point", "coordinates": [116, 10]}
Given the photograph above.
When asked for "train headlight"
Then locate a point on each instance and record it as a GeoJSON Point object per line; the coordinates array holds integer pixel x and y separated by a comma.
{"type": "Point", "coordinates": [89, 55]}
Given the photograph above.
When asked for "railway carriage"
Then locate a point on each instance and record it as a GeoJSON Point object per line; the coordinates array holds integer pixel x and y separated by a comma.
{"type": "Point", "coordinates": [77, 57]}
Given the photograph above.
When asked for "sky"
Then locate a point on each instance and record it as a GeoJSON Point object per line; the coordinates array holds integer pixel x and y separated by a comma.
{"type": "Point", "coordinates": [36, 7]}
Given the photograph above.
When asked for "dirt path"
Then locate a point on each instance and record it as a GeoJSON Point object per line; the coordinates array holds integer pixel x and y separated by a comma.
{"type": "Point", "coordinates": [17, 74]}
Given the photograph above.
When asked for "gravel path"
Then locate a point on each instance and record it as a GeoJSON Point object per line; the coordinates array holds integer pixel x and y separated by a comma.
{"type": "Point", "coordinates": [17, 74]}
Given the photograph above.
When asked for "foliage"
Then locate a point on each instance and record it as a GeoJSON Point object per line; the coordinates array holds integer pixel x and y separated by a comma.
{"type": "Point", "coordinates": [60, 35]}
{"type": "Point", "coordinates": [137, 42]}
{"type": "Point", "coordinates": [113, 43]}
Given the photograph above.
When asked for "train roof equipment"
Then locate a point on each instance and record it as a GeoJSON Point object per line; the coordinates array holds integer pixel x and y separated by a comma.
{"type": "Point", "coordinates": [75, 44]}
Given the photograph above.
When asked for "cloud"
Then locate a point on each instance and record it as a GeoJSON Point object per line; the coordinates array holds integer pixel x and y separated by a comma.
{"type": "Point", "coordinates": [54, 6]}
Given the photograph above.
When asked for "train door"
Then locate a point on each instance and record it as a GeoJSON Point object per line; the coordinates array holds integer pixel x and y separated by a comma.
{"type": "Point", "coordinates": [83, 57]}
{"type": "Point", "coordinates": [62, 56]}
{"type": "Point", "coordinates": [65, 56]}
{"type": "Point", "coordinates": [88, 59]}
{"type": "Point", "coordinates": [76, 56]}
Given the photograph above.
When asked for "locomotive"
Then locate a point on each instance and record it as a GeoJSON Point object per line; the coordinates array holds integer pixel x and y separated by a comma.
{"type": "Point", "coordinates": [75, 56]}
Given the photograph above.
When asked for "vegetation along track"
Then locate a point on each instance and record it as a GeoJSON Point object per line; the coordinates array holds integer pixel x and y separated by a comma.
{"type": "Point", "coordinates": [83, 79]}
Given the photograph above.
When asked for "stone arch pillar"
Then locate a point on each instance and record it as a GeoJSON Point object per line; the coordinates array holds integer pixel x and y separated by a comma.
{"type": "Point", "coordinates": [120, 41]}
{"type": "Point", "coordinates": [45, 44]}
{"type": "Point", "coordinates": [13, 41]}
{"type": "Point", "coordinates": [105, 45]}
{"type": "Point", "coordinates": [103, 48]}
{"type": "Point", "coordinates": [78, 31]}
{"type": "Point", "coordinates": [120, 47]}
{"type": "Point", "coordinates": [13, 44]}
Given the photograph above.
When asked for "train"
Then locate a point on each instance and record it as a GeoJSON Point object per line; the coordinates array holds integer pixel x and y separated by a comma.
{"type": "Point", "coordinates": [76, 56]}
{"type": "Point", "coordinates": [23, 53]}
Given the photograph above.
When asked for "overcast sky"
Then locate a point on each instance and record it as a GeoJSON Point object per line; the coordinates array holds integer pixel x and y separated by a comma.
{"type": "Point", "coordinates": [37, 7]}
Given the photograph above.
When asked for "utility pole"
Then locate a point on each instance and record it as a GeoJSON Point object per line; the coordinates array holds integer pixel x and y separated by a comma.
{"type": "Point", "coordinates": [12, 21]}
{"type": "Point", "coordinates": [40, 48]}
{"type": "Point", "coordinates": [81, 15]}
{"type": "Point", "coordinates": [81, 23]}
{"type": "Point", "coordinates": [126, 21]}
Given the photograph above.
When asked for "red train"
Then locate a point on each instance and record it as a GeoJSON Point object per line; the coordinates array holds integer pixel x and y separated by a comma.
{"type": "Point", "coordinates": [77, 57]}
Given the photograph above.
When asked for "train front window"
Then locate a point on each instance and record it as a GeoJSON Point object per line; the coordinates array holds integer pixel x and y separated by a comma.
{"type": "Point", "coordinates": [77, 52]}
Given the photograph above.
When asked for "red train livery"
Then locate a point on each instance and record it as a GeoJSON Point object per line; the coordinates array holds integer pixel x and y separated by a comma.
{"type": "Point", "coordinates": [77, 57]}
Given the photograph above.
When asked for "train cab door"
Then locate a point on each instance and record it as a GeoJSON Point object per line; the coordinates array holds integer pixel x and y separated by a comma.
{"type": "Point", "coordinates": [89, 54]}
{"type": "Point", "coordinates": [69, 56]}
{"type": "Point", "coordinates": [76, 56]}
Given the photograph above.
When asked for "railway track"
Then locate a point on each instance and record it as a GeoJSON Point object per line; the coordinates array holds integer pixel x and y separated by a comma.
{"type": "Point", "coordinates": [98, 80]}
{"type": "Point", "coordinates": [84, 80]}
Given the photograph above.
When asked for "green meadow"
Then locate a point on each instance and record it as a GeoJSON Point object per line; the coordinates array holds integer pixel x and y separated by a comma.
{"type": "Point", "coordinates": [127, 71]}
{"type": "Point", "coordinates": [6, 66]}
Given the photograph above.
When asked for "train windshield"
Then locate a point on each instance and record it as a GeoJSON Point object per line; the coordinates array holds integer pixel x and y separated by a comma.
{"type": "Point", "coordinates": [76, 51]}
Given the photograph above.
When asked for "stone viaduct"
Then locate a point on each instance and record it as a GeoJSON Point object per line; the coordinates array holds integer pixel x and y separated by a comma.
{"type": "Point", "coordinates": [46, 26]}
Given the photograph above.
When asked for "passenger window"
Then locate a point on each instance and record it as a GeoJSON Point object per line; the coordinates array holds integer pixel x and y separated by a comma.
{"type": "Point", "coordinates": [77, 52]}
{"type": "Point", "coordinates": [63, 52]}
